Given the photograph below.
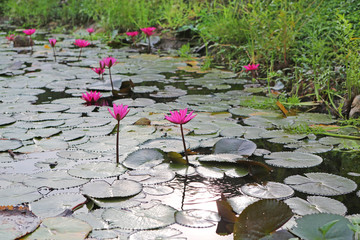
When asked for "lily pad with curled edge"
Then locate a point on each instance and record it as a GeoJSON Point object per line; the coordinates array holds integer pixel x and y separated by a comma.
{"type": "Point", "coordinates": [54, 163]}
{"type": "Point", "coordinates": [243, 111]}
{"type": "Point", "coordinates": [54, 205]}
{"type": "Point", "coordinates": [77, 155]}
{"type": "Point", "coordinates": [38, 125]}
{"type": "Point", "coordinates": [321, 184]}
{"type": "Point", "coordinates": [119, 203]}
{"type": "Point", "coordinates": [261, 218]}
{"type": "Point", "coordinates": [220, 158]}
{"type": "Point", "coordinates": [18, 194]}
{"type": "Point", "coordinates": [97, 170]}
{"type": "Point", "coordinates": [207, 107]}
{"type": "Point", "coordinates": [316, 204]}
{"type": "Point", "coordinates": [330, 140]}
{"type": "Point", "coordinates": [150, 176]}
{"type": "Point", "coordinates": [165, 233]}
{"type": "Point", "coordinates": [268, 190]}
{"type": "Point", "coordinates": [61, 228]}
{"type": "Point", "coordinates": [323, 226]}
{"type": "Point", "coordinates": [58, 179]}
{"type": "Point", "coordinates": [138, 218]}
{"type": "Point", "coordinates": [197, 218]}
{"type": "Point", "coordinates": [143, 158]}
{"type": "Point", "coordinates": [4, 120]}
{"type": "Point", "coordinates": [239, 203]}
{"type": "Point", "coordinates": [68, 101]}
{"type": "Point", "coordinates": [258, 122]}
{"type": "Point", "coordinates": [119, 188]}
{"type": "Point", "coordinates": [234, 146]}
{"type": "Point", "coordinates": [138, 102]}
{"type": "Point", "coordinates": [16, 222]}
{"type": "Point", "coordinates": [237, 131]}
{"type": "Point", "coordinates": [7, 144]}
{"type": "Point", "coordinates": [166, 144]}
{"type": "Point", "coordinates": [293, 159]}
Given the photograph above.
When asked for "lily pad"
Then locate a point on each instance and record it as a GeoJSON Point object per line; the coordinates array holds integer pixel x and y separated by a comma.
{"type": "Point", "coordinates": [239, 203]}
{"type": "Point", "coordinates": [97, 170]}
{"type": "Point", "coordinates": [233, 131]}
{"type": "Point", "coordinates": [293, 159]}
{"type": "Point", "coordinates": [158, 190]}
{"type": "Point", "coordinates": [119, 188]}
{"type": "Point", "coordinates": [143, 158]}
{"type": "Point", "coordinates": [166, 144]}
{"type": "Point", "coordinates": [4, 120]}
{"type": "Point", "coordinates": [150, 176]}
{"type": "Point", "coordinates": [139, 218]}
{"type": "Point", "coordinates": [138, 102]}
{"type": "Point", "coordinates": [166, 233]}
{"type": "Point", "coordinates": [16, 195]}
{"type": "Point", "coordinates": [321, 184]}
{"type": "Point", "coordinates": [235, 146]}
{"type": "Point", "coordinates": [9, 144]}
{"type": "Point", "coordinates": [197, 218]}
{"type": "Point", "coordinates": [268, 190]}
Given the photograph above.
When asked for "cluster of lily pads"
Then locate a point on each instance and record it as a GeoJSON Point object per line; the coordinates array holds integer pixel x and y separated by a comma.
{"type": "Point", "coordinates": [58, 155]}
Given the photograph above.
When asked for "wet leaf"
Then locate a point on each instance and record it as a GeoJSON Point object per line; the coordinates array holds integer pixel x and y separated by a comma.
{"type": "Point", "coordinates": [166, 233]}
{"type": "Point", "coordinates": [166, 144]}
{"type": "Point", "coordinates": [150, 176]}
{"type": "Point", "coordinates": [97, 170]}
{"type": "Point", "coordinates": [268, 190]}
{"type": "Point", "coordinates": [225, 210]}
{"type": "Point", "coordinates": [197, 218]}
{"type": "Point", "coordinates": [119, 188]}
{"type": "Point", "coordinates": [6, 144]}
{"type": "Point", "coordinates": [293, 159]}
{"type": "Point", "coordinates": [158, 190]}
{"type": "Point", "coordinates": [143, 158]}
{"type": "Point", "coordinates": [239, 203]}
{"type": "Point", "coordinates": [18, 194]}
{"type": "Point", "coordinates": [235, 146]}
{"type": "Point", "coordinates": [233, 131]}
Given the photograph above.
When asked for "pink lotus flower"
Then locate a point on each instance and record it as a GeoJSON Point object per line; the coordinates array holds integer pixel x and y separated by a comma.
{"type": "Point", "coordinates": [102, 64]}
{"type": "Point", "coordinates": [251, 67]}
{"type": "Point", "coordinates": [180, 117]}
{"type": "Point", "coordinates": [10, 37]}
{"type": "Point", "coordinates": [52, 42]}
{"type": "Point", "coordinates": [90, 30]}
{"type": "Point", "coordinates": [91, 97]}
{"type": "Point", "coordinates": [81, 43]}
{"type": "Point", "coordinates": [148, 31]}
{"type": "Point", "coordinates": [132, 34]}
{"type": "Point", "coordinates": [29, 31]}
{"type": "Point", "coordinates": [109, 61]}
{"type": "Point", "coordinates": [98, 70]}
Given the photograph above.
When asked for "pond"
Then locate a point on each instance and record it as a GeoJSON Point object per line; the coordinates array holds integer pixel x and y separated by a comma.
{"type": "Point", "coordinates": [58, 154]}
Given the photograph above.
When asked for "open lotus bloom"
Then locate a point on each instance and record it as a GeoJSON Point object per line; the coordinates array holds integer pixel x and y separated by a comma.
{"type": "Point", "coordinates": [29, 31]}
{"type": "Point", "coordinates": [109, 61]}
{"type": "Point", "coordinates": [120, 111]}
{"type": "Point", "coordinates": [81, 43]}
{"type": "Point", "coordinates": [90, 30]}
{"type": "Point", "coordinates": [180, 117]}
{"type": "Point", "coordinates": [148, 31]}
{"type": "Point", "coordinates": [98, 70]}
{"type": "Point", "coordinates": [132, 34]}
{"type": "Point", "coordinates": [251, 67]}
{"type": "Point", "coordinates": [10, 37]}
{"type": "Point", "coordinates": [52, 42]}
{"type": "Point", "coordinates": [91, 96]}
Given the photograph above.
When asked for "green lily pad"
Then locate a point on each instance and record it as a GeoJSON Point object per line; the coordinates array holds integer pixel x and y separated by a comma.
{"type": "Point", "coordinates": [138, 102]}
{"type": "Point", "coordinates": [235, 146]}
{"type": "Point", "coordinates": [61, 228]}
{"type": "Point", "coordinates": [233, 131]}
{"type": "Point", "coordinates": [309, 227]}
{"type": "Point", "coordinates": [143, 158]}
{"type": "Point", "coordinates": [118, 203]}
{"type": "Point", "coordinates": [9, 144]}
{"type": "Point", "coordinates": [44, 145]}
{"type": "Point", "coordinates": [138, 218]}
{"type": "Point", "coordinates": [158, 190]}
{"type": "Point", "coordinates": [150, 176]}
{"type": "Point", "coordinates": [93, 218]}
{"type": "Point", "coordinates": [18, 194]}
{"type": "Point", "coordinates": [119, 188]}
{"type": "Point", "coordinates": [316, 204]}
{"type": "Point", "coordinates": [268, 190]}
{"type": "Point", "coordinates": [166, 233]}
{"type": "Point", "coordinates": [45, 108]}
{"type": "Point", "coordinates": [77, 155]}
{"type": "Point", "coordinates": [293, 159]}
{"type": "Point", "coordinates": [4, 120]}
{"type": "Point", "coordinates": [220, 158]}
{"type": "Point", "coordinates": [321, 184]}
{"type": "Point", "coordinates": [239, 203]}
{"type": "Point", "coordinates": [166, 144]}
{"type": "Point", "coordinates": [197, 218]}
{"type": "Point", "coordinates": [215, 170]}
{"type": "Point", "coordinates": [97, 170]}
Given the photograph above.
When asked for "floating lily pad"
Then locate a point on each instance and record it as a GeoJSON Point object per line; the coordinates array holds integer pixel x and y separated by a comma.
{"type": "Point", "coordinates": [309, 227]}
{"type": "Point", "coordinates": [220, 158]}
{"type": "Point", "coordinates": [239, 203]}
{"type": "Point", "coordinates": [169, 92]}
{"type": "Point", "coordinates": [158, 190]}
{"type": "Point", "coordinates": [50, 108]}
{"type": "Point", "coordinates": [268, 190]}
{"type": "Point", "coordinates": [321, 184]}
{"type": "Point", "coordinates": [93, 218]}
{"type": "Point", "coordinates": [197, 218]}
{"type": "Point", "coordinates": [235, 146]}
{"type": "Point", "coordinates": [140, 219]}
{"type": "Point", "coordinates": [54, 205]}
{"type": "Point", "coordinates": [18, 194]}
{"type": "Point", "coordinates": [9, 144]}
{"type": "Point", "coordinates": [143, 158]}
{"type": "Point", "coordinates": [216, 170]}
{"type": "Point", "coordinates": [316, 204]}
{"type": "Point", "coordinates": [150, 176]}
{"type": "Point", "coordinates": [166, 233]}
{"type": "Point", "coordinates": [119, 203]}
{"type": "Point", "coordinates": [44, 145]}
{"type": "Point", "coordinates": [119, 188]}
{"type": "Point", "coordinates": [293, 159]}
{"type": "Point", "coordinates": [166, 144]}
{"type": "Point", "coordinates": [138, 102]}
{"type": "Point", "coordinates": [61, 228]}
{"type": "Point", "coordinates": [233, 131]}
{"type": "Point", "coordinates": [97, 170]}
{"type": "Point", "coordinates": [4, 120]}
{"type": "Point", "coordinates": [77, 155]}
{"type": "Point", "coordinates": [16, 222]}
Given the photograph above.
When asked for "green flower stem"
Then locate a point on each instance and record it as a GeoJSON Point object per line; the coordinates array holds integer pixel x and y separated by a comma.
{"type": "Point", "coordinates": [117, 142]}
{"type": "Point", "coordinates": [183, 139]}
{"type": "Point", "coordinates": [79, 54]}
{"type": "Point", "coordinates": [54, 53]}
{"type": "Point", "coordinates": [149, 45]}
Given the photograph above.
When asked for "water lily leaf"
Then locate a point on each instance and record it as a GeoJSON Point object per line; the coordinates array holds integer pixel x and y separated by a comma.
{"type": "Point", "coordinates": [313, 118]}
{"type": "Point", "coordinates": [44, 132]}
{"type": "Point", "coordinates": [166, 144]}
{"type": "Point", "coordinates": [197, 99]}
{"type": "Point", "coordinates": [243, 111]}
{"type": "Point", "coordinates": [316, 204]}
{"type": "Point", "coordinates": [197, 218]}
{"type": "Point", "coordinates": [216, 171]}
{"type": "Point", "coordinates": [42, 108]}
{"type": "Point", "coordinates": [119, 203]}
{"type": "Point", "coordinates": [268, 190]}
{"type": "Point", "coordinates": [145, 89]}
{"type": "Point", "coordinates": [321, 184]}
{"type": "Point", "coordinates": [37, 125]}
{"type": "Point", "coordinates": [119, 188]}
{"type": "Point", "coordinates": [140, 219]}
{"type": "Point", "coordinates": [9, 144]}
{"type": "Point", "coordinates": [61, 228]}
{"type": "Point", "coordinates": [77, 155]}
{"type": "Point", "coordinates": [330, 140]}
{"type": "Point", "coordinates": [220, 158]}
{"type": "Point", "coordinates": [158, 190]}
{"type": "Point", "coordinates": [44, 145]}
{"type": "Point", "coordinates": [202, 128]}
{"type": "Point", "coordinates": [143, 158]}
{"type": "Point", "coordinates": [261, 218]}
{"type": "Point", "coordinates": [308, 227]}
{"type": "Point", "coordinates": [281, 133]}
{"type": "Point", "coordinates": [166, 233]}
{"type": "Point", "coordinates": [93, 218]}
{"type": "Point", "coordinates": [150, 176]}
{"type": "Point", "coordinates": [233, 131]}
{"type": "Point", "coordinates": [239, 203]}
{"type": "Point", "coordinates": [138, 102]}
{"type": "Point", "coordinates": [97, 170]}
{"type": "Point", "coordinates": [4, 120]}
{"type": "Point", "coordinates": [293, 159]}
{"type": "Point", "coordinates": [16, 222]}
{"type": "Point", "coordinates": [279, 235]}
{"type": "Point", "coordinates": [252, 132]}
{"type": "Point", "coordinates": [169, 92]}
{"type": "Point", "coordinates": [259, 122]}
{"type": "Point", "coordinates": [54, 205]}
{"type": "Point", "coordinates": [59, 179]}
{"type": "Point", "coordinates": [18, 194]}
{"type": "Point", "coordinates": [235, 146]}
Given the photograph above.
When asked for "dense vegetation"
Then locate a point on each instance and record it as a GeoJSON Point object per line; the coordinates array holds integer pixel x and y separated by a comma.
{"type": "Point", "coordinates": [310, 45]}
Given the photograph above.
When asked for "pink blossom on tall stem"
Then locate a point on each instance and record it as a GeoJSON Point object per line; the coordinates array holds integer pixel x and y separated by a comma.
{"type": "Point", "coordinates": [90, 31]}
{"type": "Point", "coordinates": [99, 71]}
{"type": "Point", "coordinates": [81, 44]}
{"type": "Point", "coordinates": [120, 112]}
{"type": "Point", "coordinates": [52, 42]}
{"type": "Point", "coordinates": [91, 97]}
{"type": "Point", "coordinates": [109, 62]}
{"type": "Point", "coordinates": [30, 32]}
{"type": "Point", "coordinates": [181, 117]}
{"type": "Point", "coordinates": [132, 35]}
{"type": "Point", "coordinates": [252, 68]}
{"type": "Point", "coordinates": [148, 32]}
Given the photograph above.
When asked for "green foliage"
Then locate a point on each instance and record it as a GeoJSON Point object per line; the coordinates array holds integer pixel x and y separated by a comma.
{"type": "Point", "coordinates": [184, 51]}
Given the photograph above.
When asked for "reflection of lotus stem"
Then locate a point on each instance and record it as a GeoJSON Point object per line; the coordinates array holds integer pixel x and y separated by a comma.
{"type": "Point", "coordinates": [54, 53]}
{"type": "Point", "coordinates": [182, 135]}
{"type": "Point", "coordinates": [117, 143]}
{"type": "Point", "coordinates": [79, 54]}
{"type": "Point", "coordinates": [183, 195]}
{"type": "Point", "coordinates": [112, 85]}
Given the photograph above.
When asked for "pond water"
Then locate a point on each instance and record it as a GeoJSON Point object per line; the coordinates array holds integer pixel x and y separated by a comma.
{"type": "Point", "coordinates": [64, 149]}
